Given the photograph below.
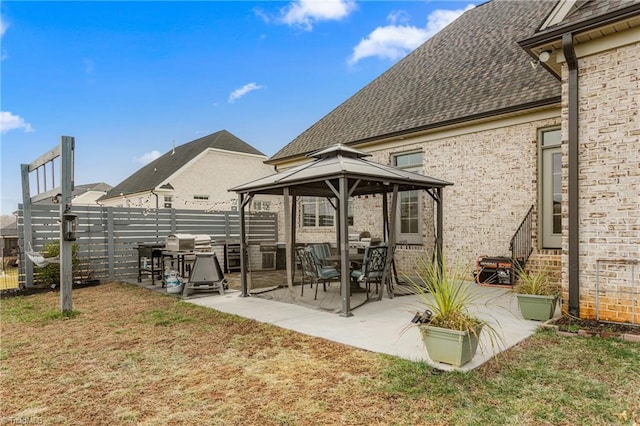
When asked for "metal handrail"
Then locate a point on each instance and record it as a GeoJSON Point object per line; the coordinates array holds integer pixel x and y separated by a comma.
{"type": "Point", "coordinates": [521, 244]}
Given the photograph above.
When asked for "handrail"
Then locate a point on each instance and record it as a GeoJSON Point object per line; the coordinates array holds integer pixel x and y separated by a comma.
{"type": "Point", "coordinates": [521, 244]}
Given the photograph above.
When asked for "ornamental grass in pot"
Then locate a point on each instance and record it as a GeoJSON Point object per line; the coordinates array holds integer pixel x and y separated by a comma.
{"type": "Point", "coordinates": [449, 331]}
{"type": "Point", "coordinates": [537, 294]}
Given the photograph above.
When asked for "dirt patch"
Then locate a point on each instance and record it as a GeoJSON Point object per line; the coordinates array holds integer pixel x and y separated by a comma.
{"type": "Point", "coordinates": [572, 325]}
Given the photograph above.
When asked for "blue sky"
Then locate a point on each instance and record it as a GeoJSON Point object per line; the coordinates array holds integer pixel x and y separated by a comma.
{"type": "Point", "coordinates": [130, 79]}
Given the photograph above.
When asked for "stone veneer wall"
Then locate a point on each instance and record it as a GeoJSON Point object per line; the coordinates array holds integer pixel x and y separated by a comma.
{"type": "Point", "coordinates": [609, 183]}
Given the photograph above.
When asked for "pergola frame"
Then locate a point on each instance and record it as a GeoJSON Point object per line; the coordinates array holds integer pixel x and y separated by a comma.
{"type": "Point", "coordinates": [338, 173]}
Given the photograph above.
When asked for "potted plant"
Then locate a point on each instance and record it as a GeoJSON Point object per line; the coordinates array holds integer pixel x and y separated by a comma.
{"type": "Point", "coordinates": [449, 331]}
{"type": "Point", "coordinates": [537, 295]}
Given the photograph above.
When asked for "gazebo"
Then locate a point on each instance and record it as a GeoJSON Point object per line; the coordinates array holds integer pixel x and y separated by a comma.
{"type": "Point", "coordinates": [338, 173]}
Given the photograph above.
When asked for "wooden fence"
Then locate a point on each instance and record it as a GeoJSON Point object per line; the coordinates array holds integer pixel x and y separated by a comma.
{"type": "Point", "coordinates": [107, 237]}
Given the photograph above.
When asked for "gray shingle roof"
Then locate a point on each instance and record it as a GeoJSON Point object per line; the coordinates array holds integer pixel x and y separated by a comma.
{"type": "Point", "coordinates": [337, 162]}
{"type": "Point", "coordinates": [154, 173]}
{"type": "Point", "coordinates": [474, 67]}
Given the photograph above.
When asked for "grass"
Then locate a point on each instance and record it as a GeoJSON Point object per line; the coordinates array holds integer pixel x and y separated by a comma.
{"type": "Point", "coordinates": [9, 279]}
{"type": "Point", "coordinates": [130, 356]}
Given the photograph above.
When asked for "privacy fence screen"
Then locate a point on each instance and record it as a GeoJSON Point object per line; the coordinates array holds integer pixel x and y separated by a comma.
{"type": "Point", "coordinates": [107, 237]}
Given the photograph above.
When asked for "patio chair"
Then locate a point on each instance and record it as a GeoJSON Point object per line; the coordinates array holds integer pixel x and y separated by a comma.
{"type": "Point", "coordinates": [372, 266]}
{"type": "Point", "coordinates": [322, 251]}
{"type": "Point", "coordinates": [313, 271]}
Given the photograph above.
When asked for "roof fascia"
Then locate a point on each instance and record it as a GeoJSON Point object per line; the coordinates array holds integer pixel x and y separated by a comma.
{"type": "Point", "coordinates": [578, 27]}
{"type": "Point", "coordinates": [559, 12]}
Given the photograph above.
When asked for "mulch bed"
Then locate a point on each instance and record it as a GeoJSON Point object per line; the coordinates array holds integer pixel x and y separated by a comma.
{"type": "Point", "coordinates": [572, 324]}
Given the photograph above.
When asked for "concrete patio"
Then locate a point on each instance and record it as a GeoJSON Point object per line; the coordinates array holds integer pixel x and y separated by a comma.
{"type": "Point", "coordinates": [378, 326]}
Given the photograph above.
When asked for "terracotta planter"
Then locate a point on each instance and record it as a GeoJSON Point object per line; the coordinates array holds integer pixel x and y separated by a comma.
{"type": "Point", "coordinates": [450, 346]}
{"type": "Point", "coordinates": [537, 308]}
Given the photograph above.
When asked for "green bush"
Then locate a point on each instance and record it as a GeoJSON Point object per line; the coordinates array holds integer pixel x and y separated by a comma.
{"type": "Point", "coordinates": [50, 274]}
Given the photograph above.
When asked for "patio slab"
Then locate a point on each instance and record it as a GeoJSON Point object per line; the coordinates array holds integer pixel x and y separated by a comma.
{"type": "Point", "coordinates": [380, 326]}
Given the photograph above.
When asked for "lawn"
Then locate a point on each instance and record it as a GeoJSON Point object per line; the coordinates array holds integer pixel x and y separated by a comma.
{"type": "Point", "coordinates": [127, 355]}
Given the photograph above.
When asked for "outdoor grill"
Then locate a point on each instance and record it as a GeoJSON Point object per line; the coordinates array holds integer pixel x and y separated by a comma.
{"type": "Point", "coordinates": [495, 270]}
{"type": "Point", "coordinates": [180, 242]}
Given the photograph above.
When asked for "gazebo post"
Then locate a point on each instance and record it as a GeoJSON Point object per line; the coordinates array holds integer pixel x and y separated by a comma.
{"type": "Point", "coordinates": [243, 248]}
{"type": "Point", "coordinates": [343, 244]}
{"type": "Point", "coordinates": [391, 244]}
{"type": "Point", "coordinates": [289, 230]}
{"type": "Point", "coordinates": [439, 226]}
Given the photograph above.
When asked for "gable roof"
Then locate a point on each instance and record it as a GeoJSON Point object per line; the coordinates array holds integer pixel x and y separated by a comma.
{"type": "Point", "coordinates": [339, 161]}
{"type": "Point", "coordinates": [99, 187]}
{"type": "Point", "coordinates": [471, 69]}
{"type": "Point", "coordinates": [156, 172]}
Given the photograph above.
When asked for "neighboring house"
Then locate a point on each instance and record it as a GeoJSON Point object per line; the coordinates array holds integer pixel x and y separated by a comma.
{"type": "Point", "coordinates": [88, 195]}
{"type": "Point", "coordinates": [9, 238]}
{"type": "Point", "coordinates": [195, 175]}
{"type": "Point", "coordinates": [492, 103]}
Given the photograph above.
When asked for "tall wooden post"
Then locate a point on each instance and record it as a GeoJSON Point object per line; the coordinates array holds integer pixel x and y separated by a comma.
{"type": "Point", "coordinates": [343, 244]}
{"type": "Point", "coordinates": [243, 248]}
{"type": "Point", "coordinates": [66, 247]}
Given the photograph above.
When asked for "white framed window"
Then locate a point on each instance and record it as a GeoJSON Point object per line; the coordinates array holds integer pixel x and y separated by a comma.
{"type": "Point", "coordinates": [261, 206]}
{"type": "Point", "coordinates": [234, 204]}
{"type": "Point", "coordinates": [550, 191]}
{"type": "Point", "coordinates": [318, 212]}
{"type": "Point", "coordinates": [409, 222]}
{"type": "Point", "coordinates": [168, 201]}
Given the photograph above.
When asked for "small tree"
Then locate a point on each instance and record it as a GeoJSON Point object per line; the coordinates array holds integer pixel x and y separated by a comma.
{"type": "Point", "coordinates": [50, 274]}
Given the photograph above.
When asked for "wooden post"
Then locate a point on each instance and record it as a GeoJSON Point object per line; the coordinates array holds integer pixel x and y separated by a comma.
{"type": "Point", "coordinates": [288, 228]}
{"type": "Point", "coordinates": [66, 247]}
{"type": "Point", "coordinates": [27, 235]}
{"type": "Point", "coordinates": [111, 245]}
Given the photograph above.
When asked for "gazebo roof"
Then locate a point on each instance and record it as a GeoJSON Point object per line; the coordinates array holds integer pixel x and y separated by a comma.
{"type": "Point", "coordinates": [310, 179]}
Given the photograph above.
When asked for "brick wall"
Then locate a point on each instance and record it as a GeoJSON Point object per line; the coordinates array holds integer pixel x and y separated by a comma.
{"type": "Point", "coordinates": [609, 184]}
{"type": "Point", "coordinates": [495, 183]}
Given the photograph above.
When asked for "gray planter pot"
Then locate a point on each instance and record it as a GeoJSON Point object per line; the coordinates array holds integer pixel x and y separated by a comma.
{"type": "Point", "coordinates": [536, 307]}
{"type": "Point", "coordinates": [450, 346]}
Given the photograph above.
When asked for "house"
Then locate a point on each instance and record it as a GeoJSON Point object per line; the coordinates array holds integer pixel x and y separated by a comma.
{"type": "Point", "coordinates": [531, 110]}
{"type": "Point", "coordinates": [88, 194]}
{"type": "Point", "coordinates": [9, 240]}
{"type": "Point", "coordinates": [195, 175]}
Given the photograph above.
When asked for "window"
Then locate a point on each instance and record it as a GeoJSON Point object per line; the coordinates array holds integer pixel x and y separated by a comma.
{"type": "Point", "coordinates": [318, 212]}
{"type": "Point", "coordinates": [234, 205]}
{"type": "Point", "coordinates": [409, 202]}
{"type": "Point", "coordinates": [200, 197]}
{"type": "Point", "coordinates": [551, 188]}
{"type": "Point", "coordinates": [261, 206]}
{"type": "Point", "coordinates": [168, 201]}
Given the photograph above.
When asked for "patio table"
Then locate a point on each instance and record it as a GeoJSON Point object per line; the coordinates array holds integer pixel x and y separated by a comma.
{"type": "Point", "coordinates": [355, 261]}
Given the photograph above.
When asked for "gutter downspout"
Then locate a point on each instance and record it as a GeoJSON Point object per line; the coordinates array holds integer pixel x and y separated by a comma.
{"type": "Point", "coordinates": [572, 147]}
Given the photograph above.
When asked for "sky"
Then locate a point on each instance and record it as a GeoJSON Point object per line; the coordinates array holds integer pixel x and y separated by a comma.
{"type": "Point", "coordinates": [129, 80]}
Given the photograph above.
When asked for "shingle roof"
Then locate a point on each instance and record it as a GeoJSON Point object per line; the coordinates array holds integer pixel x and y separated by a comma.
{"type": "Point", "coordinates": [473, 67]}
{"type": "Point", "coordinates": [339, 161]}
{"type": "Point", "coordinates": [154, 173]}
{"type": "Point", "coordinates": [81, 189]}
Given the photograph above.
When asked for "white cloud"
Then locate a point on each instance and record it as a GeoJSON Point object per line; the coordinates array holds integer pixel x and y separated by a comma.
{"type": "Point", "coordinates": [238, 93]}
{"type": "Point", "coordinates": [395, 41]}
{"type": "Point", "coordinates": [3, 26]}
{"type": "Point", "coordinates": [9, 121]}
{"type": "Point", "coordinates": [303, 13]}
{"type": "Point", "coordinates": [147, 157]}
